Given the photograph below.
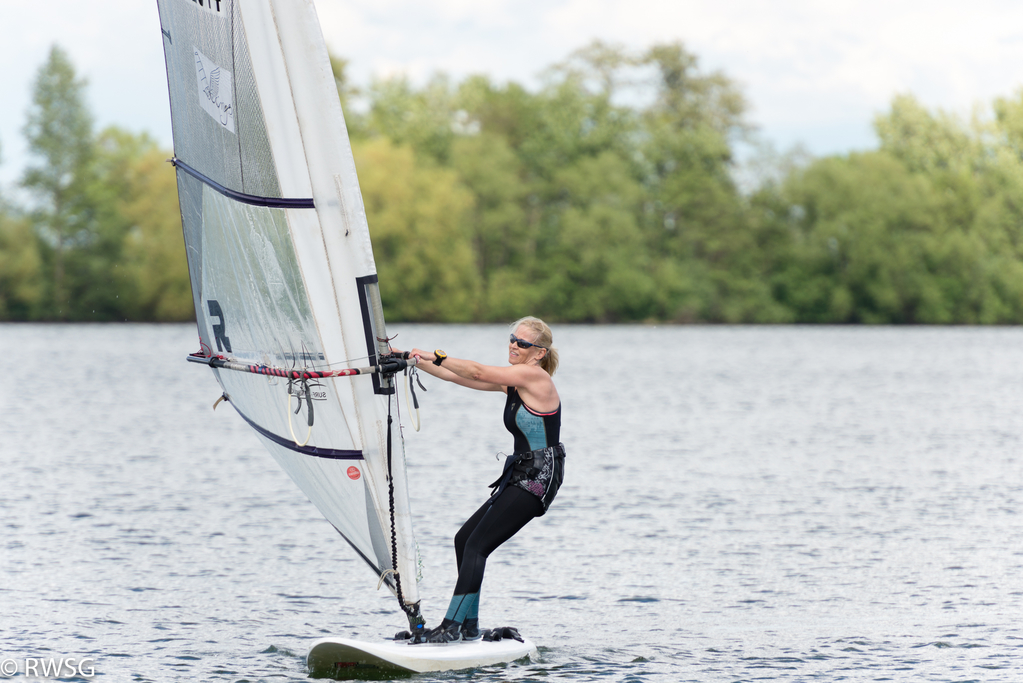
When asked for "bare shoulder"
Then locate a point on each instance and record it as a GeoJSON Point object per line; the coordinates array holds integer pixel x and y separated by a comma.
{"type": "Point", "coordinates": [539, 393]}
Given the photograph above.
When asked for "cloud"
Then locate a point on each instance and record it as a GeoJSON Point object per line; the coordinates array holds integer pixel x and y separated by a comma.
{"type": "Point", "coordinates": [805, 65]}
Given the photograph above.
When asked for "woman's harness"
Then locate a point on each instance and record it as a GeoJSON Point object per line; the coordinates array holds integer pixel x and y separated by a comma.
{"type": "Point", "coordinates": [539, 472]}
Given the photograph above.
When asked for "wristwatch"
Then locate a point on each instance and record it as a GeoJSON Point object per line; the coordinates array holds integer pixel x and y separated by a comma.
{"type": "Point", "coordinates": [441, 357]}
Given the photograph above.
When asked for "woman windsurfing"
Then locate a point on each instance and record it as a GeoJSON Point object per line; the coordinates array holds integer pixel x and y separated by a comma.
{"type": "Point", "coordinates": [531, 476]}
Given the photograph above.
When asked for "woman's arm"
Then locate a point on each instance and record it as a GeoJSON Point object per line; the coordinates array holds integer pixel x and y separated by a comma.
{"type": "Point", "coordinates": [532, 381]}
{"type": "Point", "coordinates": [444, 372]}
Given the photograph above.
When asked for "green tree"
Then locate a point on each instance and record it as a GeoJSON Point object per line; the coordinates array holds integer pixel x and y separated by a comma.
{"type": "Point", "coordinates": [502, 239]}
{"type": "Point", "coordinates": [99, 292]}
{"type": "Point", "coordinates": [586, 205]}
{"type": "Point", "coordinates": [417, 218]}
{"type": "Point", "coordinates": [423, 120]}
{"type": "Point", "coordinates": [59, 134]}
{"type": "Point", "coordinates": [879, 246]}
{"type": "Point", "coordinates": [20, 267]}
{"type": "Point", "coordinates": [599, 270]}
{"type": "Point", "coordinates": [688, 156]}
{"type": "Point", "coordinates": [711, 265]}
{"type": "Point", "coordinates": [977, 172]}
{"type": "Point", "coordinates": [857, 220]}
{"type": "Point", "coordinates": [151, 273]}
{"type": "Point", "coordinates": [925, 142]}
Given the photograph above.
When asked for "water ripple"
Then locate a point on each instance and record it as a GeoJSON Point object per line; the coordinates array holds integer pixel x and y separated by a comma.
{"type": "Point", "coordinates": [786, 504]}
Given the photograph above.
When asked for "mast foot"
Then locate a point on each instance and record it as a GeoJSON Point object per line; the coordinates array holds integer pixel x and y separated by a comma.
{"type": "Point", "coordinates": [416, 624]}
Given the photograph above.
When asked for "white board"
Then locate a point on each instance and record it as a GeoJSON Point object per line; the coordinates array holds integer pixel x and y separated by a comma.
{"type": "Point", "coordinates": [338, 656]}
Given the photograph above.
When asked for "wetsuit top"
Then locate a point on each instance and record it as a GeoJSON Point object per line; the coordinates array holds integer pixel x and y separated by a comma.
{"type": "Point", "coordinates": [532, 430]}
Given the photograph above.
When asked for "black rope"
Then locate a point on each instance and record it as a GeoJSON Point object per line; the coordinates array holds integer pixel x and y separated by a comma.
{"type": "Point", "coordinates": [409, 610]}
{"type": "Point", "coordinates": [413, 374]}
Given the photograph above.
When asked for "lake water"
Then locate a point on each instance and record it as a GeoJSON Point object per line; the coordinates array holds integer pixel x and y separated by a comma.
{"type": "Point", "coordinates": [741, 504]}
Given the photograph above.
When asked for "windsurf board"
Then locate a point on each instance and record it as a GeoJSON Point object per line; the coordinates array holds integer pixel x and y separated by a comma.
{"type": "Point", "coordinates": [333, 656]}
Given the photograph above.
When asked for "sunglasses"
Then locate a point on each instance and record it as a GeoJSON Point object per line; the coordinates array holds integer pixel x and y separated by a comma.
{"type": "Point", "coordinates": [522, 343]}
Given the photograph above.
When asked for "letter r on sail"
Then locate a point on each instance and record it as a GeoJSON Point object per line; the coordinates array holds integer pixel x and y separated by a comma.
{"type": "Point", "coordinates": [218, 329]}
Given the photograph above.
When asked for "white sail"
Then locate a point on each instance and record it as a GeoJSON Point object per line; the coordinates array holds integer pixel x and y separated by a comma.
{"type": "Point", "coordinates": [281, 262]}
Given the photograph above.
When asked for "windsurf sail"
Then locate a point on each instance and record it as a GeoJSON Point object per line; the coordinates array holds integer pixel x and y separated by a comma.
{"type": "Point", "coordinates": [283, 278]}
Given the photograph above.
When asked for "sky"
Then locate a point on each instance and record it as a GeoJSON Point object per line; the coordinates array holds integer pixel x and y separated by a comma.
{"type": "Point", "coordinates": [815, 72]}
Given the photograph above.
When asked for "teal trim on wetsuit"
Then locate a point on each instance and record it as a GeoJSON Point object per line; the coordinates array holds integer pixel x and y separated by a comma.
{"type": "Point", "coordinates": [531, 430]}
{"type": "Point", "coordinates": [463, 607]}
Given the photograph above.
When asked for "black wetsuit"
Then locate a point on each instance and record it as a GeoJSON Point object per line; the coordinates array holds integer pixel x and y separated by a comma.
{"type": "Point", "coordinates": [530, 480]}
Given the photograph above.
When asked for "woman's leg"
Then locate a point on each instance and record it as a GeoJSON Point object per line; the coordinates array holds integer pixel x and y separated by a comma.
{"type": "Point", "coordinates": [484, 532]}
{"type": "Point", "coordinates": [470, 525]}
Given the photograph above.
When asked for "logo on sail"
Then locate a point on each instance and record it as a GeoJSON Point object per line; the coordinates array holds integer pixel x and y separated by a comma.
{"type": "Point", "coordinates": [215, 90]}
{"type": "Point", "coordinates": [354, 473]}
{"type": "Point", "coordinates": [209, 5]}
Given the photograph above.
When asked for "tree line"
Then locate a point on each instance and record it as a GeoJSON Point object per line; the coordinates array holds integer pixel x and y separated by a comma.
{"type": "Point", "coordinates": [609, 194]}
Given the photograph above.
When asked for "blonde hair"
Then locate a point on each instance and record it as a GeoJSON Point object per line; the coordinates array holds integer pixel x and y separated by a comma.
{"type": "Point", "coordinates": [544, 338]}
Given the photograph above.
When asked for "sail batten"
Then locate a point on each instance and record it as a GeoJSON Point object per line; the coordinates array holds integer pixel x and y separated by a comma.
{"type": "Point", "coordinates": [281, 264]}
{"type": "Point", "coordinates": [254, 200]}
